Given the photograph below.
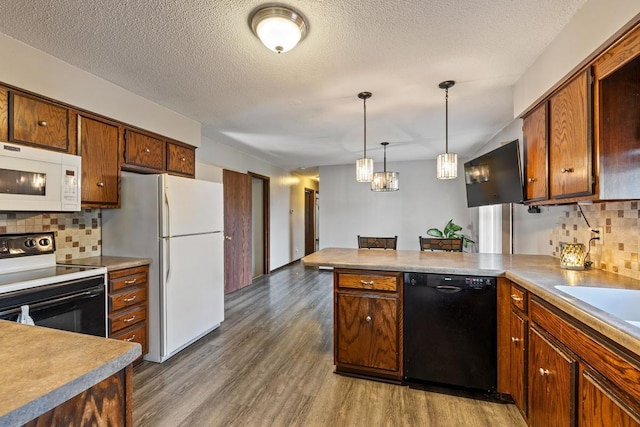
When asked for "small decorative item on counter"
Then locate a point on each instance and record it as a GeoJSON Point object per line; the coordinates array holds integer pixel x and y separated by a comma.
{"type": "Point", "coordinates": [572, 256]}
{"type": "Point", "coordinates": [24, 317]}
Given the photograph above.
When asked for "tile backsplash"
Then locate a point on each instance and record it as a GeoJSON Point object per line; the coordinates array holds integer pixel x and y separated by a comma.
{"type": "Point", "coordinates": [78, 234]}
{"type": "Point", "coordinates": [620, 222]}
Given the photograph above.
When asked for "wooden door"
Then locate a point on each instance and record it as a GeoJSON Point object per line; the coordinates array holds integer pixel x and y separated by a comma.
{"type": "Point", "coordinates": [309, 221]}
{"type": "Point", "coordinates": [600, 405]}
{"type": "Point", "coordinates": [517, 384]}
{"type": "Point", "coordinates": [237, 230]}
{"type": "Point", "coordinates": [99, 148]}
{"type": "Point", "coordinates": [534, 131]}
{"type": "Point", "coordinates": [552, 374]}
{"type": "Point", "coordinates": [570, 139]}
{"type": "Point", "coordinates": [367, 331]}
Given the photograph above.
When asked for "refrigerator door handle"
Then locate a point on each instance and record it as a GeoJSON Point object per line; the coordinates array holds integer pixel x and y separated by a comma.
{"type": "Point", "coordinates": [168, 240]}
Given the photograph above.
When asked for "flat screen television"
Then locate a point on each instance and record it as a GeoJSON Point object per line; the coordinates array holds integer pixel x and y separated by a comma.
{"type": "Point", "coordinates": [495, 177]}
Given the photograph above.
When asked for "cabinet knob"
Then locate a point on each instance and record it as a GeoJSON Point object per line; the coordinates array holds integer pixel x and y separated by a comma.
{"type": "Point", "coordinates": [543, 372]}
{"type": "Point", "coordinates": [100, 184]}
{"type": "Point", "coordinates": [42, 123]}
{"type": "Point", "coordinates": [566, 170]}
{"type": "Point", "coordinates": [147, 150]}
{"type": "Point", "coordinates": [368, 318]}
{"type": "Point", "coordinates": [531, 180]}
{"type": "Point", "coordinates": [514, 339]}
{"type": "Point", "coordinates": [183, 159]}
{"type": "Point", "coordinates": [515, 297]}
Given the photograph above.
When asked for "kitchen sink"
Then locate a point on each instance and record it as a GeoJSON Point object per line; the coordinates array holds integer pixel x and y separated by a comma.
{"type": "Point", "coordinates": [621, 303]}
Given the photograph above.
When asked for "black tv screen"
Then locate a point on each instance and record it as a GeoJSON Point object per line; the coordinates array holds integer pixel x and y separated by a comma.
{"type": "Point", "coordinates": [494, 178]}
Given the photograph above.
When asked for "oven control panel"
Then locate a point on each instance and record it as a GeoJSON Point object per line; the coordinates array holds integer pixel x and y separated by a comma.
{"type": "Point", "coordinates": [16, 245]}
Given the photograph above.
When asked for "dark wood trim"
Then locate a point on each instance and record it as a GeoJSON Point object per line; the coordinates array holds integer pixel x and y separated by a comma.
{"type": "Point", "coordinates": [266, 213]}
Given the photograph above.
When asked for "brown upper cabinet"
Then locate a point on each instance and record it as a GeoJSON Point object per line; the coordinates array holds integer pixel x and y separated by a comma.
{"type": "Point", "coordinates": [99, 143]}
{"type": "Point", "coordinates": [181, 159]}
{"type": "Point", "coordinates": [37, 122]}
{"type": "Point", "coordinates": [143, 152]}
{"type": "Point", "coordinates": [590, 131]}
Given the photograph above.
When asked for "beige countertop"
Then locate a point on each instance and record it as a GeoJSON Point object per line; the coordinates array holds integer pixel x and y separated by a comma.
{"type": "Point", "coordinates": [539, 274]}
{"type": "Point", "coordinates": [42, 367]}
{"type": "Point", "coordinates": [112, 263]}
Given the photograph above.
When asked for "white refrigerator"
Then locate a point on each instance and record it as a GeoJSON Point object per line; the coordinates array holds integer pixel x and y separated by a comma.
{"type": "Point", "coordinates": [178, 223]}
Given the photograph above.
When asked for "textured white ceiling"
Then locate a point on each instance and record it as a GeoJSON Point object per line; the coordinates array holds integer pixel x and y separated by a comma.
{"type": "Point", "coordinates": [300, 108]}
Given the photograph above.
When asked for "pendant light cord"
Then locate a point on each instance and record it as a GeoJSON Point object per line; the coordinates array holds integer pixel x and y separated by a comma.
{"type": "Point", "coordinates": [365, 127]}
{"type": "Point", "coordinates": [446, 121]}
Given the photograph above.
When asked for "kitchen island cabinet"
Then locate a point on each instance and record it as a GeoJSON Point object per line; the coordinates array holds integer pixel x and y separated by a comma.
{"type": "Point", "coordinates": [53, 377]}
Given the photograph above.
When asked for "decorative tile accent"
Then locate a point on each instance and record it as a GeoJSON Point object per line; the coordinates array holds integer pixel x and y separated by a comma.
{"type": "Point", "coordinates": [77, 234]}
{"type": "Point", "coordinates": [619, 253]}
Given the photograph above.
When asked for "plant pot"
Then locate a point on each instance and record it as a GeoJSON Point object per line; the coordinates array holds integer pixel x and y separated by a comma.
{"type": "Point", "coordinates": [438, 244]}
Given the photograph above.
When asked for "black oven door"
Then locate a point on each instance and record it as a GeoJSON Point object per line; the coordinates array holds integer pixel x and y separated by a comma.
{"type": "Point", "coordinates": [77, 306]}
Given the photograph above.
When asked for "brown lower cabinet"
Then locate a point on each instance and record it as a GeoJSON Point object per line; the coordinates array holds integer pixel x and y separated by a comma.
{"type": "Point", "coordinates": [368, 323]}
{"type": "Point", "coordinates": [558, 371]}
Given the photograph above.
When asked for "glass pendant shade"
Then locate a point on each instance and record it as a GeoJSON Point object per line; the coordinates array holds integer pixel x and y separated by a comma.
{"type": "Point", "coordinates": [447, 166]}
{"type": "Point", "coordinates": [278, 27]}
{"type": "Point", "coordinates": [385, 181]}
{"type": "Point", "coordinates": [364, 170]}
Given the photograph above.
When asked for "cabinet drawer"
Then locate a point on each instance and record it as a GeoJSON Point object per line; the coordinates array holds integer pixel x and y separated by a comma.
{"type": "Point", "coordinates": [144, 151]}
{"type": "Point", "coordinates": [518, 298]}
{"type": "Point", "coordinates": [124, 282]}
{"type": "Point", "coordinates": [137, 334]}
{"type": "Point", "coordinates": [181, 159]}
{"type": "Point", "coordinates": [128, 318]}
{"type": "Point", "coordinates": [366, 280]}
{"type": "Point", "coordinates": [37, 122]}
{"type": "Point", "coordinates": [127, 299]}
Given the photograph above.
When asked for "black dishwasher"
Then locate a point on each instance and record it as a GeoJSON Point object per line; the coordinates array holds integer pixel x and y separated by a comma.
{"type": "Point", "coordinates": [450, 330]}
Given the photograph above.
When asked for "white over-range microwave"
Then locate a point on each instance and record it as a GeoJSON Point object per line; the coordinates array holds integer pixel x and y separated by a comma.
{"type": "Point", "coordinates": [37, 180]}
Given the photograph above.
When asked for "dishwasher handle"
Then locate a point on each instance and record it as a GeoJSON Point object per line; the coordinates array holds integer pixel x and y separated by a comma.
{"type": "Point", "coordinates": [448, 289]}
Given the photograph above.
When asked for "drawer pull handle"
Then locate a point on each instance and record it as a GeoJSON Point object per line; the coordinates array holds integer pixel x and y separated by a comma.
{"type": "Point", "coordinates": [100, 184]}
{"type": "Point", "coordinates": [133, 298]}
{"type": "Point", "coordinates": [514, 339]}
{"type": "Point", "coordinates": [368, 318]}
{"type": "Point", "coordinates": [543, 372]}
{"type": "Point", "coordinates": [369, 283]}
{"type": "Point", "coordinates": [131, 338]}
{"type": "Point", "coordinates": [130, 282]}
{"type": "Point", "coordinates": [566, 170]}
{"type": "Point", "coordinates": [129, 319]}
{"type": "Point", "coordinates": [42, 123]}
{"type": "Point", "coordinates": [516, 298]}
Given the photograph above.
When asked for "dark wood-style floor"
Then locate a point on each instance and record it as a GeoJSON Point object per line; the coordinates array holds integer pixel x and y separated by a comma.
{"type": "Point", "coordinates": [271, 364]}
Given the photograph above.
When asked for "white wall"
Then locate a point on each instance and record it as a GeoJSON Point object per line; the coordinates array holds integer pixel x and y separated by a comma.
{"type": "Point", "coordinates": [33, 70]}
{"type": "Point", "coordinates": [212, 157]}
{"type": "Point", "coordinates": [349, 208]}
{"type": "Point", "coordinates": [590, 27]}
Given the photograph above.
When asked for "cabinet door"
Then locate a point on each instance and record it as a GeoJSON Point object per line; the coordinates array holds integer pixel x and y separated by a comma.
{"type": "Point", "coordinates": [552, 374]}
{"type": "Point", "coordinates": [100, 168]}
{"type": "Point", "coordinates": [601, 406]}
{"type": "Point", "coordinates": [535, 154]}
{"type": "Point", "coordinates": [367, 332]}
{"type": "Point", "coordinates": [181, 160]}
{"type": "Point", "coordinates": [517, 380]}
{"type": "Point", "coordinates": [570, 134]}
{"type": "Point", "coordinates": [143, 152]}
{"type": "Point", "coordinates": [36, 122]}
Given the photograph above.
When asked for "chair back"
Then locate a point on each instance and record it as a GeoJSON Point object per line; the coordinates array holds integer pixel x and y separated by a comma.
{"type": "Point", "coordinates": [377, 242]}
{"type": "Point", "coordinates": [438, 244]}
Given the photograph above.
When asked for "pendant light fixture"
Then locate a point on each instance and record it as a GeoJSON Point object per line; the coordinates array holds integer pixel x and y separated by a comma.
{"type": "Point", "coordinates": [364, 166]}
{"type": "Point", "coordinates": [279, 27]}
{"type": "Point", "coordinates": [447, 163]}
{"type": "Point", "coordinates": [385, 181]}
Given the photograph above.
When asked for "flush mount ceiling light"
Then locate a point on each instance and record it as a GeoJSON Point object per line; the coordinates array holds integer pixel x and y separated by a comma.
{"type": "Point", "coordinates": [364, 166]}
{"type": "Point", "coordinates": [447, 163]}
{"type": "Point", "coordinates": [385, 181]}
{"type": "Point", "coordinates": [279, 27]}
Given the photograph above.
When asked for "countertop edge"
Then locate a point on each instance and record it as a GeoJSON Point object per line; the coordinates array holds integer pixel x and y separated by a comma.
{"type": "Point", "coordinates": [60, 395]}
{"type": "Point", "coordinates": [112, 263]}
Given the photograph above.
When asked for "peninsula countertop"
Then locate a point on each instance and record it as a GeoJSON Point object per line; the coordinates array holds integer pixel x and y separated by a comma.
{"type": "Point", "coordinates": [539, 274]}
{"type": "Point", "coordinates": [42, 368]}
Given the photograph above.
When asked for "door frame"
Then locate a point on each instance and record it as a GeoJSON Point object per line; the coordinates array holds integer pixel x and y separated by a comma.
{"type": "Point", "coordinates": [309, 220]}
{"type": "Point", "coordinates": [266, 185]}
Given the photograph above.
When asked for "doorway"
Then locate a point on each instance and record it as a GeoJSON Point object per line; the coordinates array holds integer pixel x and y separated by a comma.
{"type": "Point", "coordinates": [309, 221]}
{"type": "Point", "coordinates": [260, 224]}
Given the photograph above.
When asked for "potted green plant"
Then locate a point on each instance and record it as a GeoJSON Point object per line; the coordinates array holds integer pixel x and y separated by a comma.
{"type": "Point", "coordinates": [450, 238]}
